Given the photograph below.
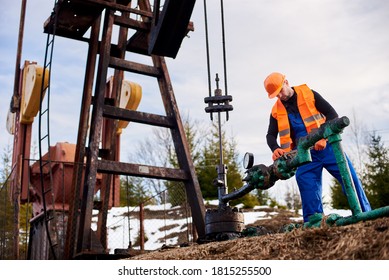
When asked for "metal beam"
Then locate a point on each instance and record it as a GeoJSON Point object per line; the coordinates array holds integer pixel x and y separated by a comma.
{"type": "Point", "coordinates": [134, 67]}
{"type": "Point", "coordinates": [139, 170]}
{"type": "Point", "coordinates": [138, 117]}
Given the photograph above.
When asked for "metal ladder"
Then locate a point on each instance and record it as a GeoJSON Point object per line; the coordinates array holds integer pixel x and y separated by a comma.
{"type": "Point", "coordinates": [47, 190]}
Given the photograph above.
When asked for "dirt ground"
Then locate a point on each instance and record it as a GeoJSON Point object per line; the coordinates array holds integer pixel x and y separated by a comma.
{"type": "Point", "coordinates": [367, 240]}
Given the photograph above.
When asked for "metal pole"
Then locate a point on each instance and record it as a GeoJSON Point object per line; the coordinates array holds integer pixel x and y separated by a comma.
{"type": "Point", "coordinates": [141, 227]}
{"type": "Point", "coordinates": [16, 97]}
{"type": "Point", "coordinates": [221, 172]}
{"type": "Point", "coordinates": [128, 214]}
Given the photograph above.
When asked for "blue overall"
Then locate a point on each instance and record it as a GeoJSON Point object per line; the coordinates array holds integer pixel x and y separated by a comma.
{"type": "Point", "coordinates": [309, 176]}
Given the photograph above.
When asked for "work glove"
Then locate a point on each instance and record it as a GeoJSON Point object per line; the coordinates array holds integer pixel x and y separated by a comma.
{"type": "Point", "coordinates": [320, 145]}
{"type": "Point", "coordinates": [277, 153]}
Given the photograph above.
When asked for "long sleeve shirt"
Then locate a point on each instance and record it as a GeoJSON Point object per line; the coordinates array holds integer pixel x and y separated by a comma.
{"type": "Point", "coordinates": [291, 107]}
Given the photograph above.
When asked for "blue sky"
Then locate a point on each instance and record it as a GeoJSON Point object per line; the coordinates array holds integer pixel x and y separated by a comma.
{"type": "Point", "coordinates": [337, 47]}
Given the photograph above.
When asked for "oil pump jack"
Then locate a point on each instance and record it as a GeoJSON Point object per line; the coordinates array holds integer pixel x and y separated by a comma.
{"type": "Point", "coordinates": [61, 226]}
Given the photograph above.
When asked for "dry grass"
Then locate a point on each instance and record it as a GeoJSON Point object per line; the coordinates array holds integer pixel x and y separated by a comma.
{"type": "Point", "coordinates": [367, 240]}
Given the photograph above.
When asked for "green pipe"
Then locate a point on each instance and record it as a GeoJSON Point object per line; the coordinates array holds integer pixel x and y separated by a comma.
{"type": "Point", "coordinates": [263, 177]}
{"type": "Point", "coordinates": [316, 219]}
{"type": "Point", "coordinates": [331, 128]}
{"type": "Point", "coordinates": [345, 174]}
{"type": "Point", "coordinates": [363, 216]}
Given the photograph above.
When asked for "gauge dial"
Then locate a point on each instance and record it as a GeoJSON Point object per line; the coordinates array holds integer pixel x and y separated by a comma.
{"type": "Point", "coordinates": [248, 160]}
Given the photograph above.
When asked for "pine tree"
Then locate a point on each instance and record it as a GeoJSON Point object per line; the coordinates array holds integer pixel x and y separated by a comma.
{"type": "Point", "coordinates": [210, 159]}
{"type": "Point", "coordinates": [195, 135]}
{"type": "Point", "coordinates": [5, 168]}
{"type": "Point", "coordinates": [132, 193]}
{"type": "Point", "coordinates": [376, 178]}
{"type": "Point", "coordinates": [6, 207]}
{"type": "Point", "coordinates": [292, 198]}
{"type": "Point", "coordinates": [263, 197]}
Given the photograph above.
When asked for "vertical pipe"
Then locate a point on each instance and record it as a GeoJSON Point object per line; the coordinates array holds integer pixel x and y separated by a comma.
{"type": "Point", "coordinates": [222, 190]}
{"type": "Point", "coordinates": [128, 213]}
{"type": "Point", "coordinates": [164, 215]}
{"type": "Point", "coordinates": [141, 227]}
{"type": "Point", "coordinates": [221, 170]}
{"type": "Point", "coordinates": [345, 173]}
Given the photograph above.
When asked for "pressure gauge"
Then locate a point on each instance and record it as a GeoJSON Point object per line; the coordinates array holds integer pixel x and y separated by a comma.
{"type": "Point", "coordinates": [248, 160]}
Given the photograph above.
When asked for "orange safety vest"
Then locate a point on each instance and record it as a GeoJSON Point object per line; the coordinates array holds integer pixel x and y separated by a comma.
{"type": "Point", "coordinates": [310, 115]}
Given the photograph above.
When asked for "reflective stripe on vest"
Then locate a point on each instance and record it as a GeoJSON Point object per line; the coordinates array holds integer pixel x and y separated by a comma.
{"type": "Point", "coordinates": [310, 115]}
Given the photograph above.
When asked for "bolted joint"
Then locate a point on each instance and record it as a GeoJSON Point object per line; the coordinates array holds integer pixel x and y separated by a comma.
{"type": "Point", "coordinates": [259, 177]}
{"type": "Point", "coordinates": [281, 170]}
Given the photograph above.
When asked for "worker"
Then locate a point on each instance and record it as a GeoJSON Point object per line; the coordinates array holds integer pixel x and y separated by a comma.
{"type": "Point", "coordinates": [295, 104]}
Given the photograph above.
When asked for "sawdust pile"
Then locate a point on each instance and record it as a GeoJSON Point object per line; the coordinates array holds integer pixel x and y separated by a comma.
{"type": "Point", "coordinates": [367, 240]}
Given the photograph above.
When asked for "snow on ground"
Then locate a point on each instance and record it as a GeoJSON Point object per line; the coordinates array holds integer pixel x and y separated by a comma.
{"type": "Point", "coordinates": [157, 230]}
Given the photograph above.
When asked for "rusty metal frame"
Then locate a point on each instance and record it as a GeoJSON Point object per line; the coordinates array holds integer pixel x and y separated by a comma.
{"type": "Point", "coordinates": [104, 116]}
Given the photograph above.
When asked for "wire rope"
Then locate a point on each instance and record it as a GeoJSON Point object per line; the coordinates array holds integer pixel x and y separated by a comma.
{"type": "Point", "coordinates": [223, 50]}
{"type": "Point", "coordinates": [207, 50]}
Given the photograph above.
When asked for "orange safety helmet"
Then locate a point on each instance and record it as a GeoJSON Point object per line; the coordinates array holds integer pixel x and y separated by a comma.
{"type": "Point", "coordinates": [273, 84]}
